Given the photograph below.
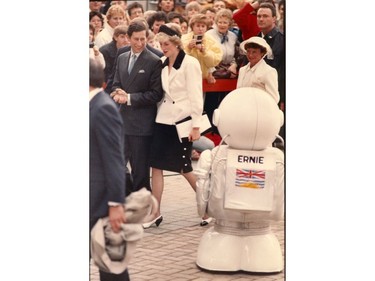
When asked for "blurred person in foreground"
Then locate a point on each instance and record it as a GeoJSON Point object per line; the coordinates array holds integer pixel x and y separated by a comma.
{"type": "Point", "coordinates": [107, 164]}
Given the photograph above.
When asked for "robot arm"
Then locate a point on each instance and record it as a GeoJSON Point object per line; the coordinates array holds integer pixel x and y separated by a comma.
{"type": "Point", "coordinates": [203, 173]}
{"type": "Point", "coordinates": [278, 207]}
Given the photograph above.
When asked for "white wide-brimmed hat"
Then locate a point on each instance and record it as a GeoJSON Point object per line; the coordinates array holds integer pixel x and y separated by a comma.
{"type": "Point", "coordinates": [259, 41]}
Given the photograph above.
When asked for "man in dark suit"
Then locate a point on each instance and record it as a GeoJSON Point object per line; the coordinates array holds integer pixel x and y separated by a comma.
{"type": "Point", "coordinates": [127, 48]}
{"type": "Point", "coordinates": [266, 19]}
{"type": "Point", "coordinates": [107, 164]}
{"type": "Point", "coordinates": [137, 87]}
{"type": "Point", "coordinates": [121, 51]}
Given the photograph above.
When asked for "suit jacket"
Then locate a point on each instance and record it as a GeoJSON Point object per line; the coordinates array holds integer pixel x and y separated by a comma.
{"type": "Point", "coordinates": [275, 39]}
{"type": "Point", "coordinates": [107, 164]}
{"type": "Point", "coordinates": [109, 52]}
{"type": "Point", "coordinates": [143, 85]}
{"type": "Point", "coordinates": [183, 91]}
{"type": "Point", "coordinates": [121, 51]}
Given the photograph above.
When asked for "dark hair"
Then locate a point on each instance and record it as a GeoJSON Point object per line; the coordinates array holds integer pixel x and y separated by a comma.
{"type": "Point", "coordinates": [255, 46]}
{"type": "Point", "coordinates": [268, 6]}
{"type": "Point", "coordinates": [185, 20]}
{"type": "Point", "coordinates": [134, 5]}
{"type": "Point", "coordinates": [175, 15]}
{"type": "Point", "coordinates": [266, 1]}
{"type": "Point", "coordinates": [96, 76]}
{"type": "Point", "coordinates": [169, 31]}
{"type": "Point", "coordinates": [158, 16]}
{"type": "Point", "coordinates": [94, 13]}
{"type": "Point", "coordinates": [204, 10]}
{"type": "Point", "coordinates": [92, 28]}
{"type": "Point", "coordinates": [137, 25]}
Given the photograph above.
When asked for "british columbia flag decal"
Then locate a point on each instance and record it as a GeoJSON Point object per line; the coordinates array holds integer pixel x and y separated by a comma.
{"type": "Point", "coordinates": [250, 178]}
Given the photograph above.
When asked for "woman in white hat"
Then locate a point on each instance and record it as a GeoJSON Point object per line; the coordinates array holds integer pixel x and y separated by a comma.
{"type": "Point", "coordinates": [257, 73]}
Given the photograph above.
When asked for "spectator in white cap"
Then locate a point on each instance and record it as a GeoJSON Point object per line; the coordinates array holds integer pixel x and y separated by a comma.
{"type": "Point", "coordinates": [257, 73]}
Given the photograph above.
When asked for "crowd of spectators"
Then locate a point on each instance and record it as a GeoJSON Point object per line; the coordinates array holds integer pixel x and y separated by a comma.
{"type": "Point", "coordinates": [212, 31]}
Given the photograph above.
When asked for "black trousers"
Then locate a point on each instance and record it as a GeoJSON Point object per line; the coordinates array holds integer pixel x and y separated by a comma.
{"type": "Point", "coordinates": [104, 276]}
{"type": "Point", "coordinates": [211, 102]}
{"type": "Point", "coordinates": [137, 152]}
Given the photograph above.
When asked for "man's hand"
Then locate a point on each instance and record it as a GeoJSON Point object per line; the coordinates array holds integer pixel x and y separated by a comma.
{"type": "Point", "coordinates": [233, 69]}
{"type": "Point", "coordinates": [96, 51]}
{"type": "Point", "coordinates": [239, 3]}
{"type": "Point", "coordinates": [116, 217]}
{"type": "Point", "coordinates": [211, 79]}
{"type": "Point", "coordinates": [255, 5]}
{"type": "Point", "coordinates": [119, 96]}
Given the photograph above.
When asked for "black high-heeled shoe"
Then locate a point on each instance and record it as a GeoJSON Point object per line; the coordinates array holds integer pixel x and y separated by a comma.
{"type": "Point", "coordinates": [156, 221]}
{"type": "Point", "coordinates": [206, 221]}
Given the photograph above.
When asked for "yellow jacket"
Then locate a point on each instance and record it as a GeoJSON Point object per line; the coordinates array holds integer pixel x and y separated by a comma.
{"type": "Point", "coordinates": [210, 58]}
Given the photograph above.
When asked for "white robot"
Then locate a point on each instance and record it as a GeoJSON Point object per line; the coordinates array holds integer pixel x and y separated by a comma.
{"type": "Point", "coordinates": [241, 185]}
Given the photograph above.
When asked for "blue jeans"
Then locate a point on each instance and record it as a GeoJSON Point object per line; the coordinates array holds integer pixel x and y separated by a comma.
{"type": "Point", "coordinates": [203, 143]}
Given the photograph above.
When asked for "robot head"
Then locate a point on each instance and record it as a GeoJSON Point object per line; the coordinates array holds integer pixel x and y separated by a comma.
{"type": "Point", "coordinates": [250, 118]}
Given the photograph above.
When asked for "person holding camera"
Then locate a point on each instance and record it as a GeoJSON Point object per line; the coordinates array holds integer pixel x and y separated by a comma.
{"type": "Point", "coordinates": [227, 68]}
{"type": "Point", "coordinates": [202, 46]}
{"type": "Point", "coordinates": [107, 180]}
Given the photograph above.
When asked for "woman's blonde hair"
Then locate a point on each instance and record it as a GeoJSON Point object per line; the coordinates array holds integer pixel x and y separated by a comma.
{"type": "Point", "coordinates": [224, 13]}
{"type": "Point", "coordinates": [114, 10]}
{"type": "Point", "coordinates": [198, 18]}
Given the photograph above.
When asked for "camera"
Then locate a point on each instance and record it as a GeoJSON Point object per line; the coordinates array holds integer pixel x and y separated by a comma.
{"type": "Point", "coordinates": [198, 39]}
{"type": "Point", "coordinates": [92, 45]}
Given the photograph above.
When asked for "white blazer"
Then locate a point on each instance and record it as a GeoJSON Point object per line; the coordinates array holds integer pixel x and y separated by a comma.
{"type": "Point", "coordinates": [183, 95]}
{"type": "Point", "coordinates": [260, 76]}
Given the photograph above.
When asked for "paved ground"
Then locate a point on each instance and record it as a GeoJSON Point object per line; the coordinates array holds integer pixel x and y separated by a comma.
{"type": "Point", "coordinates": [168, 252]}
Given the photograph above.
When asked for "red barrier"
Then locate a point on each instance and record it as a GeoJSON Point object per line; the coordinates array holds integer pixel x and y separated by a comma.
{"type": "Point", "coordinates": [221, 85]}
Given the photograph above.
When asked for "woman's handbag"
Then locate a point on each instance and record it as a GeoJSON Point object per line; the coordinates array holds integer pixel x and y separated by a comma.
{"type": "Point", "coordinates": [222, 72]}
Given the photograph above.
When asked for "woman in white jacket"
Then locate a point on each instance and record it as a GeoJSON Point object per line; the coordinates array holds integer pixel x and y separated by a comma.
{"type": "Point", "coordinates": [181, 79]}
{"type": "Point", "coordinates": [257, 73]}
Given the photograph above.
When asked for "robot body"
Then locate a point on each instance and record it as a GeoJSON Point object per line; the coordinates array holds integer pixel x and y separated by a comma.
{"type": "Point", "coordinates": [241, 185]}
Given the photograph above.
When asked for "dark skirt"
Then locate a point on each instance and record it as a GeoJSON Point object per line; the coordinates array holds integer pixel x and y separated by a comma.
{"type": "Point", "coordinates": [167, 152]}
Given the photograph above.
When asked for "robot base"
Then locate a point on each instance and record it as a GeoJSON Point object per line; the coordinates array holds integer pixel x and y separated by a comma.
{"type": "Point", "coordinates": [224, 252]}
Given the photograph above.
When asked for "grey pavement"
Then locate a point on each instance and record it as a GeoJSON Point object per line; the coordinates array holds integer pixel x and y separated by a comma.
{"type": "Point", "coordinates": [168, 252]}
